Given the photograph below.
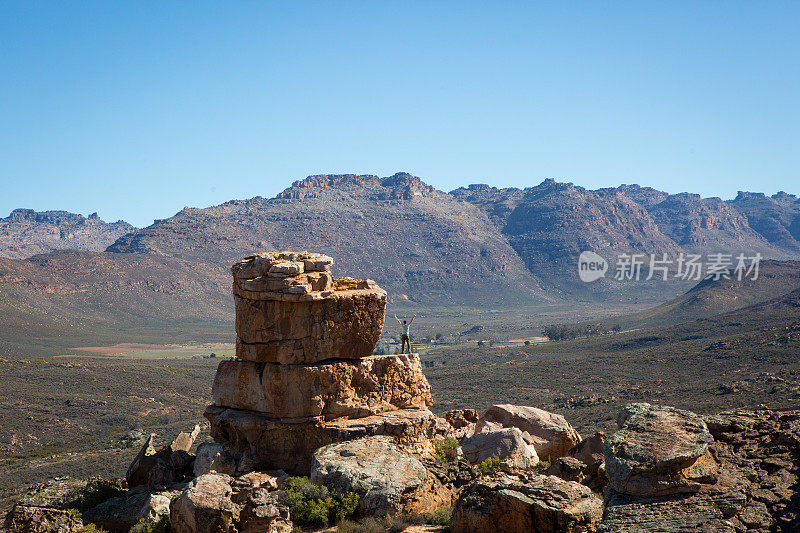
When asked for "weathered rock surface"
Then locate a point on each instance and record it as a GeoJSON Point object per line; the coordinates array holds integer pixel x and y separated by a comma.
{"type": "Point", "coordinates": [210, 505]}
{"type": "Point", "coordinates": [290, 310]}
{"type": "Point", "coordinates": [538, 504]}
{"type": "Point", "coordinates": [755, 488]}
{"type": "Point", "coordinates": [161, 467]}
{"type": "Point", "coordinates": [120, 513]}
{"type": "Point", "coordinates": [568, 469]}
{"type": "Point", "coordinates": [658, 451]}
{"type": "Point", "coordinates": [388, 480]}
{"type": "Point", "coordinates": [28, 519]}
{"type": "Point", "coordinates": [273, 443]}
{"type": "Point", "coordinates": [459, 418]}
{"type": "Point", "coordinates": [590, 452]}
{"type": "Point", "coordinates": [552, 435]}
{"type": "Point", "coordinates": [510, 445]}
{"type": "Point", "coordinates": [330, 389]}
{"type": "Point", "coordinates": [214, 457]}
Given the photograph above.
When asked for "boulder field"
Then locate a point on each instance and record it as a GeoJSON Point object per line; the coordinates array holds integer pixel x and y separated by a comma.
{"type": "Point", "coordinates": [305, 396]}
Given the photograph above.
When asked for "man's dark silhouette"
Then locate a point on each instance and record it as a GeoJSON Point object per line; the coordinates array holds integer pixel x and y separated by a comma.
{"type": "Point", "coordinates": [406, 338]}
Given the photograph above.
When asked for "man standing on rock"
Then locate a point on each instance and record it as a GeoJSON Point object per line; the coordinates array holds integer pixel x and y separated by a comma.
{"type": "Point", "coordinates": [406, 338]}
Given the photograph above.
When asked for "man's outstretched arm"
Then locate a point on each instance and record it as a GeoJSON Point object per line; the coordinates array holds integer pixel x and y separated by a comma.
{"type": "Point", "coordinates": [412, 319]}
{"type": "Point", "coordinates": [398, 320]}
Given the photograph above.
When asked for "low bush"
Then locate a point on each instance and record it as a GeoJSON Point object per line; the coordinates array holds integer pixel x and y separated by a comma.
{"type": "Point", "coordinates": [490, 465]}
{"type": "Point", "coordinates": [312, 504]}
{"type": "Point", "coordinates": [446, 450]}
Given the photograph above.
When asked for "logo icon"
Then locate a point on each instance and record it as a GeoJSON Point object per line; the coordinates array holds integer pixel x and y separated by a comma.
{"type": "Point", "coordinates": [591, 267]}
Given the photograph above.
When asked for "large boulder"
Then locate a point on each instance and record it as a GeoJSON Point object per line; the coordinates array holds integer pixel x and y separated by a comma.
{"type": "Point", "coordinates": [589, 451]}
{"type": "Point", "coordinates": [29, 519]}
{"type": "Point", "coordinates": [120, 513]}
{"type": "Point", "coordinates": [333, 389]}
{"type": "Point", "coordinates": [205, 506]}
{"type": "Point", "coordinates": [658, 451]}
{"type": "Point", "coordinates": [215, 457]}
{"type": "Point", "coordinates": [510, 445]}
{"type": "Point", "coordinates": [274, 443]}
{"type": "Point", "coordinates": [290, 310]}
{"type": "Point", "coordinates": [387, 480]}
{"type": "Point", "coordinates": [158, 468]}
{"type": "Point", "coordinates": [540, 504]}
{"type": "Point", "coordinates": [552, 435]}
{"type": "Point", "coordinates": [215, 503]}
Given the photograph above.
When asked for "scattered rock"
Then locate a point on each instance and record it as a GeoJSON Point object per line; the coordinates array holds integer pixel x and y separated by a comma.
{"type": "Point", "coordinates": [387, 480]}
{"type": "Point", "coordinates": [160, 468]}
{"type": "Point", "coordinates": [210, 505]}
{"type": "Point", "coordinates": [539, 504]}
{"type": "Point", "coordinates": [459, 418]}
{"type": "Point", "coordinates": [28, 519]}
{"type": "Point", "coordinates": [568, 469]}
{"type": "Point", "coordinates": [552, 435]}
{"type": "Point", "coordinates": [510, 445]}
{"type": "Point", "coordinates": [120, 513]}
{"type": "Point", "coordinates": [590, 452]}
{"type": "Point", "coordinates": [658, 451]}
{"type": "Point", "coordinates": [214, 457]}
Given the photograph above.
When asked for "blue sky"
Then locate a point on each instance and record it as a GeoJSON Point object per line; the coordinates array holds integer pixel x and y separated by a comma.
{"type": "Point", "coordinates": [137, 109]}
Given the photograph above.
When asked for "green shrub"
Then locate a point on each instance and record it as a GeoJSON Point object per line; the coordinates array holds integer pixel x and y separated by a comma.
{"type": "Point", "coordinates": [446, 450]}
{"type": "Point", "coordinates": [162, 525]}
{"type": "Point", "coordinates": [490, 465]}
{"type": "Point", "coordinates": [314, 504]}
{"type": "Point", "coordinates": [439, 517]}
{"type": "Point", "coordinates": [91, 528]}
{"type": "Point", "coordinates": [74, 512]}
{"type": "Point", "coordinates": [542, 466]}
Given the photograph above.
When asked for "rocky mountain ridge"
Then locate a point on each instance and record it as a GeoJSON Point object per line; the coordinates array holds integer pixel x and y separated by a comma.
{"type": "Point", "coordinates": [26, 232]}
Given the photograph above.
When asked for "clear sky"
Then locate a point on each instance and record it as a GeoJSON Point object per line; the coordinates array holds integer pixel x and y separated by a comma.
{"type": "Point", "coordinates": [137, 109]}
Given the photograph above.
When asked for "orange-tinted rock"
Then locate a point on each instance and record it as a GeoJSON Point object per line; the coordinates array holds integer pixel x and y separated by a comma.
{"type": "Point", "coordinates": [332, 389]}
{"type": "Point", "coordinates": [275, 443]}
{"type": "Point", "coordinates": [290, 310]}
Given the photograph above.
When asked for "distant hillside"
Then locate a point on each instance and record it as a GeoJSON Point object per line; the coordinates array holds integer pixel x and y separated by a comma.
{"type": "Point", "coordinates": [71, 294]}
{"type": "Point", "coordinates": [477, 246]}
{"type": "Point", "coordinates": [415, 241]}
{"type": "Point", "coordinates": [26, 232]}
{"type": "Point", "coordinates": [777, 287]}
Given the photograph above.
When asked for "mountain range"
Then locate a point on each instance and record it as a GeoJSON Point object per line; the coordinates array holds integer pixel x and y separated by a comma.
{"type": "Point", "coordinates": [477, 245]}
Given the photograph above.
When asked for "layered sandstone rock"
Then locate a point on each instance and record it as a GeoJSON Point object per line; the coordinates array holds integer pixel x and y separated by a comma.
{"type": "Point", "coordinates": [331, 389]}
{"type": "Point", "coordinates": [304, 376]}
{"type": "Point", "coordinates": [290, 310]}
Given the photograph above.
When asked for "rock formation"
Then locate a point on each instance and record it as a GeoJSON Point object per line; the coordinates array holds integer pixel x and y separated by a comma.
{"type": "Point", "coordinates": [304, 375]}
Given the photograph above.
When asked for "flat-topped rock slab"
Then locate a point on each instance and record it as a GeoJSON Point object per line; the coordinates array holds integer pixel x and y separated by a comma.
{"type": "Point", "coordinates": [277, 443]}
{"type": "Point", "coordinates": [329, 389]}
{"type": "Point", "coordinates": [291, 310]}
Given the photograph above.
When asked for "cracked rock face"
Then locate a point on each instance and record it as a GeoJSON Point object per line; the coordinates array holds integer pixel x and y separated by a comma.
{"type": "Point", "coordinates": [330, 389]}
{"type": "Point", "coordinates": [387, 479]}
{"type": "Point", "coordinates": [290, 310]}
{"type": "Point", "coordinates": [659, 451]}
{"type": "Point", "coordinates": [539, 504]}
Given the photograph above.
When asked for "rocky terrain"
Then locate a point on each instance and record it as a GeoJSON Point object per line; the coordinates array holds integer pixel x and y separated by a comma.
{"type": "Point", "coordinates": [364, 453]}
{"type": "Point", "coordinates": [26, 232]}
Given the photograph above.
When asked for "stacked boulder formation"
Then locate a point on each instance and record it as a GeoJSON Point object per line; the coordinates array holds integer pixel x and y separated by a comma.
{"type": "Point", "coordinates": [304, 375]}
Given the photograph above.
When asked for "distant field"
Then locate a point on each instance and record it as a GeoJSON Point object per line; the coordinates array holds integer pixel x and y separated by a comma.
{"type": "Point", "coordinates": [157, 351]}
